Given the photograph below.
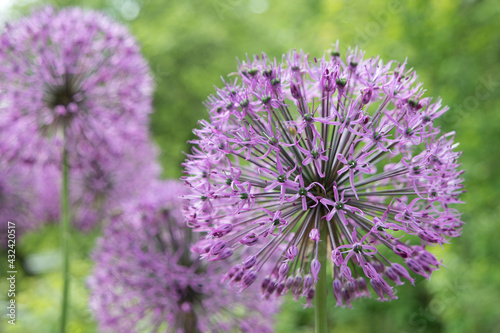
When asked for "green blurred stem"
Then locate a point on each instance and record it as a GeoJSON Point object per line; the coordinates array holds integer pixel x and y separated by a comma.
{"type": "Point", "coordinates": [321, 292]}
{"type": "Point", "coordinates": [65, 227]}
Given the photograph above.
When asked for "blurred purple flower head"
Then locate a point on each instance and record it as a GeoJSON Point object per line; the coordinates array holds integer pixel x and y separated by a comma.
{"type": "Point", "coordinates": [71, 69]}
{"type": "Point", "coordinates": [147, 276]}
{"type": "Point", "coordinates": [74, 77]}
{"type": "Point", "coordinates": [345, 152]}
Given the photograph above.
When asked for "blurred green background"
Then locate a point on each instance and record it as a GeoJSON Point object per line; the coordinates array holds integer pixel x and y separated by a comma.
{"type": "Point", "coordinates": [190, 44]}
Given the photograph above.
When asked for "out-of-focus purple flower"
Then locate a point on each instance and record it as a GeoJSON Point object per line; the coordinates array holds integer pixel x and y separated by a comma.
{"type": "Point", "coordinates": [75, 78]}
{"type": "Point", "coordinates": [99, 184]}
{"type": "Point", "coordinates": [73, 70]}
{"type": "Point", "coordinates": [17, 198]}
{"type": "Point", "coordinates": [308, 150]}
{"type": "Point", "coordinates": [147, 276]}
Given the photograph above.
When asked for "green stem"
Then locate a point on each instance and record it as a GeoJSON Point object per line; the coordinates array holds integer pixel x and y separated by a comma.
{"type": "Point", "coordinates": [321, 292]}
{"type": "Point", "coordinates": [65, 227]}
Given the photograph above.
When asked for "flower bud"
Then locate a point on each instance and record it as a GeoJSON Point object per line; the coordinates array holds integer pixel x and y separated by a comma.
{"type": "Point", "coordinates": [249, 240]}
{"type": "Point", "coordinates": [265, 283]}
{"type": "Point", "coordinates": [402, 251]}
{"type": "Point", "coordinates": [337, 292]}
{"type": "Point", "coordinates": [283, 271]}
{"type": "Point", "coordinates": [271, 288]}
{"type": "Point", "coordinates": [391, 274]}
{"type": "Point", "coordinates": [238, 276]}
{"type": "Point", "coordinates": [361, 287]}
{"type": "Point", "coordinates": [249, 262]}
{"type": "Point", "coordinates": [309, 296]}
{"type": "Point", "coordinates": [295, 90]}
{"type": "Point", "coordinates": [226, 253]}
{"type": "Point", "coordinates": [401, 271]}
{"type": "Point", "coordinates": [308, 282]}
{"type": "Point", "coordinates": [347, 296]}
{"type": "Point", "coordinates": [289, 283]}
{"type": "Point", "coordinates": [367, 96]}
{"type": "Point", "coordinates": [428, 258]}
{"type": "Point", "coordinates": [297, 286]}
{"type": "Point", "coordinates": [60, 110]}
{"type": "Point", "coordinates": [217, 248]}
{"type": "Point", "coordinates": [280, 288]}
{"type": "Point", "coordinates": [314, 234]}
{"type": "Point", "coordinates": [415, 266]}
{"type": "Point", "coordinates": [229, 275]}
{"type": "Point", "coordinates": [315, 268]}
{"type": "Point", "coordinates": [222, 230]}
{"type": "Point", "coordinates": [249, 279]}
{"type": "Point", "coordinates": [292, 252]}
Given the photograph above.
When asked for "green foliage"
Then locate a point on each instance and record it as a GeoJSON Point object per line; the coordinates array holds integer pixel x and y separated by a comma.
{"type": "Point", "coordinates": [454, 47]}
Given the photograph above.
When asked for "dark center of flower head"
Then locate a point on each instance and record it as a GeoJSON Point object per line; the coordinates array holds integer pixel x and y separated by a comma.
{"type": "Point", "coordinates": [63, 93]}
{"type": "Point", "coordinates": [357, 248]}
{"type": "Point", "coordinates": [276, 222]}
{"type": "Point", "coordinates": [244, 196]}
{"type": "Point", "coordinates": [308, 118]}
{"type": "Point", "coordinates": [314, 154]}
{"type": "Point", "coordinates": [352, 164]}
{"type": "Point", "coordinates": [302, 191]}
{"type": "Point", "coordinates": [281, 178]}
{"type": "Point", "coordinates": [339, 205]}
{"type": "Point", "coordinates": [190, 295]}
{"type": "Point", "coordinates": [61, 99]}
{"type": "Point", "coordinates": [187, 320]}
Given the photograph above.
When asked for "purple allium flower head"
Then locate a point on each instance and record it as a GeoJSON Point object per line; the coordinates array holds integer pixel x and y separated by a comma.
{"type": "Point", "coordinates": [147, 276]}
{"type": "Point", "coordinates": [306, 150]}
{"type": "Point", "coordinates": [75, 78]}
{"type": "Point", "coordinates": [71, 69]}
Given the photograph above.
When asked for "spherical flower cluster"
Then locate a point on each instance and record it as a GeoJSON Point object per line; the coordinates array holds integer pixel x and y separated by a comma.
{"type": "Point", "coordinates": [146, 277]}
{"type": "Point", "coordinates": [74, 72]}
{"type": "Point", "coordinates": [75, 80]}
{"type": "Point", "coordinates": [344, 152]}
